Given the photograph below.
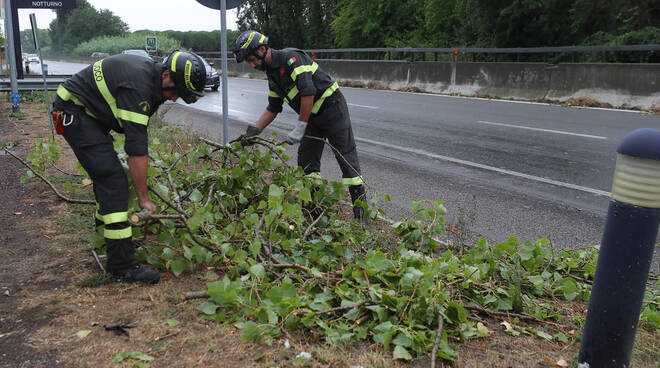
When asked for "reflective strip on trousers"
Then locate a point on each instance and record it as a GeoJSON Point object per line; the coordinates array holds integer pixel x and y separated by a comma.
{"type": "Point", "coordinates": [124, 233]}
{"type": "Point", "coordinates": [352, 181]}
{"type": "Point", "coordinates": [113, 218]}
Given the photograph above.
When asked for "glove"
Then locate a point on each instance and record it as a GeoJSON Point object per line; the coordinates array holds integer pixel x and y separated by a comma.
{"type": "Point", "coordinates": [296, 134]}
{"type": "Point", "coordinates": [252, 131]}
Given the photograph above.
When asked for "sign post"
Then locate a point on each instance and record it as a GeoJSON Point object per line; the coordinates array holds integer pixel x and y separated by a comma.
{"type": "Point", "coordinates": [151, 44]}
{"type": "Point", "coordinates": [223, 5]}
{"type": "Point", "coordinates": [35, 33]}
{"type": "Point", "coordinates": [15, 101]}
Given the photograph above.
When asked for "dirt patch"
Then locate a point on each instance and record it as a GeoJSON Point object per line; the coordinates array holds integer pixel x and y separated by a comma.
{"type": "Point", "coordinates": [49, 320]}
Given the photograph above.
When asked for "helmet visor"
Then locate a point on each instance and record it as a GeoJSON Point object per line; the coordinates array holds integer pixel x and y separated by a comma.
{"type": "Point", "coordinates": [189, 96]}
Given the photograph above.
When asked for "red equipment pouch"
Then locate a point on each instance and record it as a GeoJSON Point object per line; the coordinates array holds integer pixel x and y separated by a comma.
{"type": "Point", "coordinates": [58, 120]}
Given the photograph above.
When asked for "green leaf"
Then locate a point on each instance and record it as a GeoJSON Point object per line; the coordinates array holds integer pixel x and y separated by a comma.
{"type": "Point", "coordinates": [401, 353]}
{"type": "Point", "coordinates": [258, 271]}
{"type": "Point", "coordinates": [544, 335]}
{"type": "Point", "coordinates": [196, 196]}
{"type": "Point", "coordinates": [569, 288]}
{"type": "Point", "coordinates": [82, 333]}
{"type": "Point", "coordinates": [275, 194]}
{"type": "Point", "coordinates": [251, 332]}
{"type": "Point", "coordinates": [136, 355]}
{"type": "Point", "coordinates": [172, 322]}
{"type": "Point", "coordinates": [208, 308]}
{"type": "Point", "coordinates": [305, 194]}
{"type": "Point", "coordinates": [456, 313]}
{"type": "Point", "coordinates": [178, 266]}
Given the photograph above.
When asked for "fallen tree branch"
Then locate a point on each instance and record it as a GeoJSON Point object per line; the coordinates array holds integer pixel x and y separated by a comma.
{"type": "Point", "coordinates": [309, 228]}
{"type": "Point", "coordinates": [434, 352]}
{"type": "Point", "coordinates": [98, 261]}
{"type": "Point", "coordinates": [57, 192]}
{"type": "Point", "coordinates": [138, 218]}
{"type": "Point", "coordinates": [65, 172]}
{"type": "Point", "coordinates": [194, 295]}
{"type": "Point", "coordinates": [524, 317]}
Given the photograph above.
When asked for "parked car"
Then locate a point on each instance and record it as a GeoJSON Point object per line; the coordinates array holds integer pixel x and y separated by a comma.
{"type": "Point", "coordinates": [32, 58]}
{"type": "Point", "coordinates": [212, 76]}
{"type": "Point", "coordinates": [137, 52]}
{"type": "Point", "coordinates": [99, 55]}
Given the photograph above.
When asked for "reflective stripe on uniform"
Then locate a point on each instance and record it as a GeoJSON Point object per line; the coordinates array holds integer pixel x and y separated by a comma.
{"type": "Point", "coordinates": [110, 100]}
{"type": "Point", "coordinates": [103, 88]}
{"type": "Point", "coordinates": [134, 117]}
{"type": "Point", "coordinates": [98, 216]}
{"type": "Point", "coordinates": [115, 217]}
{"type": "Point", "coordinates": [352, 181]}
{"type": "Point", "coordinates": [292, 94]}
{"type": "Point", "coordinates": [272, 93]}
{"type": "Point", "coordinates": [328, 92]}
{"type": "Point", "coordinates": [124, 233]}
{"type": "Point", "coordinates": [65, 95]}
{"type": "Point", "coordinates": [303, 69]}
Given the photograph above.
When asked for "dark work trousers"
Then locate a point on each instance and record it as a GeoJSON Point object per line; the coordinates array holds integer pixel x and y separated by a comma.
{"type": "Point", "coordinates": [334, 124]}
{"type": "Point", "coordinates": [94, 149]}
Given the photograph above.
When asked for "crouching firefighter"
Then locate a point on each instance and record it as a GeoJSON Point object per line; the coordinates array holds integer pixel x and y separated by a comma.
{"type": "Point", "coordinates": [294, 78]}
{"type": "Point", "coordinates": [120, 93]}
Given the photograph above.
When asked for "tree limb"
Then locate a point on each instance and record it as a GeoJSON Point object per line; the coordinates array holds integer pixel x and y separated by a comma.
{"type": "Point", "coordinates": [57, 192]}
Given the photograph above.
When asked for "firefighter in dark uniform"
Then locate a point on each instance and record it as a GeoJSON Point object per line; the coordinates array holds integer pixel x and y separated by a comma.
{"type": "Point", "coordinates": [120, 93]}
{"type": "Point", "coordinates": [294, 78]}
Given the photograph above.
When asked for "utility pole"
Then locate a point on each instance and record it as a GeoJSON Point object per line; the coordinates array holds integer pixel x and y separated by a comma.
{"type": "Point", "coordinates": [9, 46]}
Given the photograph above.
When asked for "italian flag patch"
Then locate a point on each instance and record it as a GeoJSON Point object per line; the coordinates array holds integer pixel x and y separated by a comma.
{"type": "Point", "coordinates": [291, 61]}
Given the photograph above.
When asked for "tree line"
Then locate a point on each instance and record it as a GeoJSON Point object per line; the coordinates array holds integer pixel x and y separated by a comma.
{"type": "Point", "coordinates": [383, 23]}
{"type": "Point", "coordinates": [453, 23]}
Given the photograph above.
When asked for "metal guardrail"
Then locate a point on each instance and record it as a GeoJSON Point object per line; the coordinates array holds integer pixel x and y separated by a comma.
{"type": "Point", "coordinates": [33, 83]}
{"type": "Point", "coordinates": [414, 53]}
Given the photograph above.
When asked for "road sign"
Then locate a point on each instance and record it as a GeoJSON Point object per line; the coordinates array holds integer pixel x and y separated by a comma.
{"type": "Point", "coordinates": [45, 4]}
{"type": "Point", "coordinates": [152, 43]}
{"type": "Point", "coordinates": [215, 4]}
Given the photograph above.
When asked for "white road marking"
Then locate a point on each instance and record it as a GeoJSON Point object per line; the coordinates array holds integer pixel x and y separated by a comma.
{"type": "Point", "coordinates": [486, 167]}
{"type": "Point", "coordinates": [542, 130]}
{"type": "Point", "coordinates": [365, 106]}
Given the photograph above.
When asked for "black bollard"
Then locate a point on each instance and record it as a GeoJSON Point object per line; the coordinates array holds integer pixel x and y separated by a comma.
{"type": "Point", "coordinates": [625, 253]}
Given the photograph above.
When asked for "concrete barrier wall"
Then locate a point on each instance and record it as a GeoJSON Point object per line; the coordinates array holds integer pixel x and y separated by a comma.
{"type": "Point", "coordinates": [619, 85]}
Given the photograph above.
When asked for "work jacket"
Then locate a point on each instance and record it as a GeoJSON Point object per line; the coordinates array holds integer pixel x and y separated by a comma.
{"type": "Point", "coordinates": [120, 92]}
{"type": "Point", "coordinates": [293, 74]}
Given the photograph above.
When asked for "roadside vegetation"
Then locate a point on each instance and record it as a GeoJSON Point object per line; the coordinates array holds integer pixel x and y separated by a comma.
{"type": "Point", "coordinates": [281, 264]}
{"type": "Point", "coordinates": [320, 24]}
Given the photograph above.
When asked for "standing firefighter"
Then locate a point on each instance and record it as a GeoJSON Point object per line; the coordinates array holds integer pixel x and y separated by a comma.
{"type": "Point", "coordinates": [120, 93]}
{"type": "Point", "coordinates": [293, 77]}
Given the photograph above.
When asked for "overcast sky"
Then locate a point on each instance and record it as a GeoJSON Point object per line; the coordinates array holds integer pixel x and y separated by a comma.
{"type": "Point", "coordinates": [157, 15]}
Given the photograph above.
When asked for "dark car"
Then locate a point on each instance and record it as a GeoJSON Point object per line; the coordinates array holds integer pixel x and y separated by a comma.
{"type": "Point", "coordinates": [212, 76]}
{"type": "Point", "coordinates": [99, 55]}
{"type": "Point", "coordinates": [137, 52]}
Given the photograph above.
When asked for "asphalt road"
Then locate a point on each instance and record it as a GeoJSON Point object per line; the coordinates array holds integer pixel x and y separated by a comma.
{"type": "Point", "coordinates": [502, 168]}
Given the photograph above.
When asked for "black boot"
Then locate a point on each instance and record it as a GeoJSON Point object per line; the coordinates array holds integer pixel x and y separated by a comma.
{"type": "Point", "coordinates": [122, 265]}
{"type": "Point", "coordinates": [137, 274]}
{"type": "Point", "coordinates": [358, 192]}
